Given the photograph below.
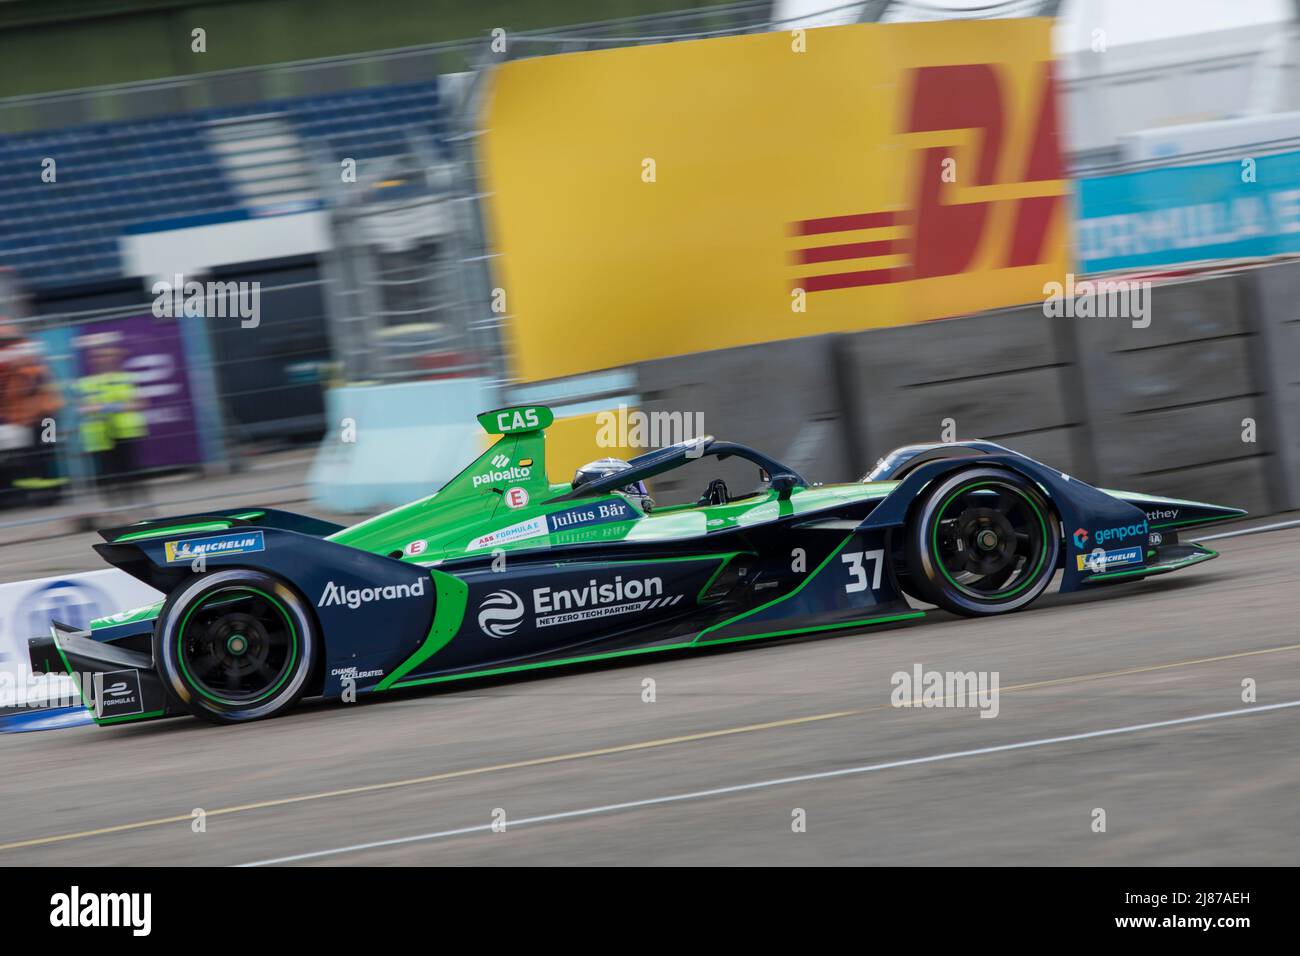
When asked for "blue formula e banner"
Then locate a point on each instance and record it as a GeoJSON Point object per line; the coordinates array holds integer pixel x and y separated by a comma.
{"type": "Point", "coordinates": [1240, 209]}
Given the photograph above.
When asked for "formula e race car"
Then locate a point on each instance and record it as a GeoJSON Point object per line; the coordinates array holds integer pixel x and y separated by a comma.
{"type": "Point", "coordinates": [503, 571]}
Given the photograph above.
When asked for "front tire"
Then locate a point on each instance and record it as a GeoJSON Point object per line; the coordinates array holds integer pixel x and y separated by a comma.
{"type": "Point", "coordinates": [982, 541]}
{"type": "Point", "coordinates": [236, 645]}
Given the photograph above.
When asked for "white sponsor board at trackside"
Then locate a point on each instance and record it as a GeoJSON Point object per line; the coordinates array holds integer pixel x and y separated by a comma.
{"type": "Point", "coordinates": [28, 607]}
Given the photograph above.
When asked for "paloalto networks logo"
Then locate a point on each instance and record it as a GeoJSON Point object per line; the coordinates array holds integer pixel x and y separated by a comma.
{"type": "Point", "coordinates": [502, 475]}
{"type": "Point", "coordinates": [500, 614]}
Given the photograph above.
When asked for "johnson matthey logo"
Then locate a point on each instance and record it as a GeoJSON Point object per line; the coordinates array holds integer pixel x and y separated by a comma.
{"type": "Point", "coordinates": [951, 213]}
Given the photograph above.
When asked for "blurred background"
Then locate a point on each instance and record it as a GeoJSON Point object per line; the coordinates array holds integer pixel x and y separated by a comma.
{"type": "Point", "coordinates": [715, 210]}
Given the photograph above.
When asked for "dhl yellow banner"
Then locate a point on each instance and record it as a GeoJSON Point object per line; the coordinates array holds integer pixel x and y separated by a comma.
{"type": "Point", "coordinates": [657, 200]}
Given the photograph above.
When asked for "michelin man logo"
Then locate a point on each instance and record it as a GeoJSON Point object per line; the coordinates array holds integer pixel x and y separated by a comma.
{"type": "Point", "coordinates": [500, 614]}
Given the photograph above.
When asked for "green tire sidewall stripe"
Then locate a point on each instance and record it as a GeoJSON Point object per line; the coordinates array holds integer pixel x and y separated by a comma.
{"type": "Point", "coordinates": [293, 648]}
{"type": "Point", "coordinates": [934, 542]}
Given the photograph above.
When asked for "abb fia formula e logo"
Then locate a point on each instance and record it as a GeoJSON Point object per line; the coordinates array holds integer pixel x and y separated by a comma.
{"type": "Point", "coordinates": [951, 212]}
{"type": "Point", "coordinates": [500, 614]}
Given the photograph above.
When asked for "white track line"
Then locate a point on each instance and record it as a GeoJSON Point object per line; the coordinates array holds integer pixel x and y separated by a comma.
{"type": "Point", "coordinates": [780, 781]}
{"type": "Point", "coordinates": [1255, 530]}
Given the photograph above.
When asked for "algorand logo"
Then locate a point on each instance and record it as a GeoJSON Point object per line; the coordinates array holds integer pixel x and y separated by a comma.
{"type": "Point", "coordinates": [500, 614]}
{"type": "Point", "coordinates": [502, 475]}
{"type": "Point", "coordinates": [355, 597]}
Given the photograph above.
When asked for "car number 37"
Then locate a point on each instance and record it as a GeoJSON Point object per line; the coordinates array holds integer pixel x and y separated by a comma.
{"type": "Point", "coordinates": [858, 577]}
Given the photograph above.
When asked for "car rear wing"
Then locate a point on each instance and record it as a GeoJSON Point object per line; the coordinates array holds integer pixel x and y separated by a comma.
{"type": "Point", "coordinates": [218, 521]}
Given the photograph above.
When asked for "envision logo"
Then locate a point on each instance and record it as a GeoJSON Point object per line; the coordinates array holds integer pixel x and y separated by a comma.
{"type": "Point", "coordinates": [500, 614]}
{"type": "Point", "coordinates": [355, 597]}
{"type": "Point", "coordinates": [75, 908]}
{"type": "Point", "coordinates": [504, 475]}
{"type": "Point", "coordinates": [546, 600]}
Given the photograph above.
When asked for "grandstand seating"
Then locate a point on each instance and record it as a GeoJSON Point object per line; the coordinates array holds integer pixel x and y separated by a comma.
{"type": "Point", "coordinates": [115, 176]}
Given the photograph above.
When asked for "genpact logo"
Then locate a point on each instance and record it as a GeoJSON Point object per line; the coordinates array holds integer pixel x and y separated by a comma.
{"type": "Point", "coordinates": [1080, 539]}
{"type": "Point", "coordinates": [500, 614]}
{"type": "Point", "coordinates": [1102, 535]}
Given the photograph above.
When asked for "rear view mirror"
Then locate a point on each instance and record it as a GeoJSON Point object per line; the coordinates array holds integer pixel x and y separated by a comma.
{"type": "Point", "coordinates": [784, 484]}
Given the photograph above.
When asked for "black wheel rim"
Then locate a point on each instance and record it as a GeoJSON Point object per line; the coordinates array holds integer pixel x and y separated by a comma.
{"type": "Point", "coordinates": [990, 540]}
{"type": "Point", "coordinates": [237, 646]}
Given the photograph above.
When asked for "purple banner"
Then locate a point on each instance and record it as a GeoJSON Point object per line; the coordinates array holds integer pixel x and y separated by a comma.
{"type": "Point", "coordinates": [154, 355]}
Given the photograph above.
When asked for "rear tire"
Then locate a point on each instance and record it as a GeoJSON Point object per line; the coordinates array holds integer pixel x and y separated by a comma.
{"type": "Point", "coordinates": [236, 645]}
{"type": "Point", "coordinates": [982, 541]}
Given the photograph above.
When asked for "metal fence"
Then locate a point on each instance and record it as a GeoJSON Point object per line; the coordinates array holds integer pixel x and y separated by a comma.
{"type": "Point", "coordinates": [214, 394]}
{"type": "Point", "coordinates": [406, 291]}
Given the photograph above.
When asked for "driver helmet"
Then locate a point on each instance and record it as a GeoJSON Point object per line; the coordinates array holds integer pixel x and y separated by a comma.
{"type": "Point", "coordinates": [636, 491]}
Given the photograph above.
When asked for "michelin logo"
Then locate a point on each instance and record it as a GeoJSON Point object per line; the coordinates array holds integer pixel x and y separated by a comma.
{"type": "Point", "coordinates": [355, 597]}
{"type": "Point", "coordinates": [1101, 560]}
{"type": "Point", "coordinates": [214, 547]}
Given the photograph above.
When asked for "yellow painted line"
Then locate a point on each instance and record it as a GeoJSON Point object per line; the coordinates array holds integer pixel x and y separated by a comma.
{"type": "Point", "coordinates": [606, 751]}
{"type": "Point", "coordinates": [432, 778]}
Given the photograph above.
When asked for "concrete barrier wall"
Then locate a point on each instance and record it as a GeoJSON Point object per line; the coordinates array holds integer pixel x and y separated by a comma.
{"type": "Point", "coordinates": [1166, 403]}
{"type": "Point", "coordinates": [780, 397]}
{"type": "Point", "coordinates": [1275, 298]}
{"type": "Point", "coordinates": [1157, 409]}
{"type": "Point", "coordinates": [1006, 376]}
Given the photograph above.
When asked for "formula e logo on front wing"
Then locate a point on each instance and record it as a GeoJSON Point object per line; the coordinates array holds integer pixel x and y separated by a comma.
{"type": "Point", "coordinates": [500, 614]}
